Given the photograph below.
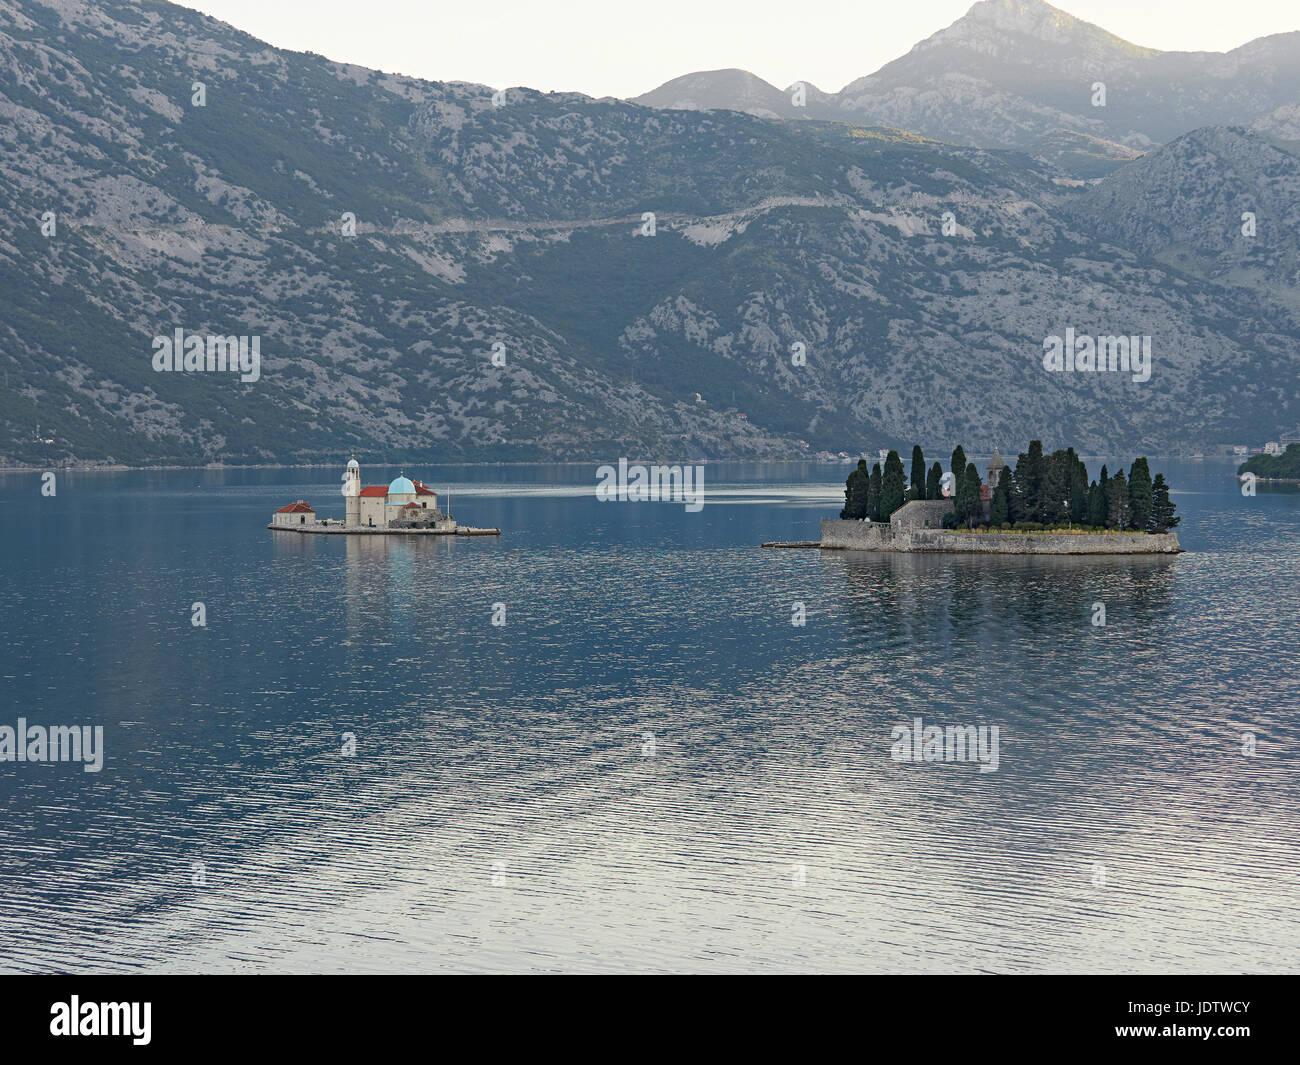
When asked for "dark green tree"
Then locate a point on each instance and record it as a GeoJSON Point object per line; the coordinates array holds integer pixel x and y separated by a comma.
{"type": "Point", "coordinates": [1162, 507]}
{"type": "Point", "coordinates": [1096, 505]}
{"type": "Point", "coordinates": [1030, 470]}
{"type": "Point", "coordinates": [873, 494]}
{"type": "Point", "coordinates": [957, 467]}
{"type": "Point", "coordinates": [1015, 501]}
{"type": "Point", "coordinates": [932, 482]}
{"type": "Point", "coordinates": [918, 473]}
{"type": "Point", "coordinates": [893, 485]}
{"type": "Point", "coordinates": [1000, 508]}
{"type": "Point", "coordinates": [1117, 516]}
{"type": "Point", "coordinates": [1103, 508]}
{"type": "Point", "coordinates": [970, 509]}
{"type": "Point", "coordinates": [1140, 495]}
{"type": "Point", "coordinates": [855, 493]}
{"type": "Point", "coordinates": [1079, 491]}
{"type": "Point", "coordinates": [959, 505]}
{"type": "Point", "coordinates": [1055, 496]}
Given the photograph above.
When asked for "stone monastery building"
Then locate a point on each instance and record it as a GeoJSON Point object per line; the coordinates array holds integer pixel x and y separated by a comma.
{"type": "Point", "coordinates": [403, 504]}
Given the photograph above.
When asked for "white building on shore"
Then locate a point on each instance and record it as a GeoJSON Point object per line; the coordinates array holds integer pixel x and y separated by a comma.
{"type": "Point", "coordinates": [299, 513]}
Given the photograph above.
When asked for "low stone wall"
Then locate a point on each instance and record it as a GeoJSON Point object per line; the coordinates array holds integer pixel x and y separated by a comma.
{"type": "Point", "coordinates": [857, 535]}
{"type": "Point", "coordinates": [873, 536]}
{"type": "Point", "coordinates": [446, 529]}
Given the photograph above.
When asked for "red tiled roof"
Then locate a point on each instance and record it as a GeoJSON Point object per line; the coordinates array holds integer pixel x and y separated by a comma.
{"type": "Point", "coordinates": [296, 508]}
{"type": "Point", "coordinates": [408, 506]}
{"type": "Point", "coordinates": [372, 490]}
{"type": "Point", "coordinates": [422, 489]}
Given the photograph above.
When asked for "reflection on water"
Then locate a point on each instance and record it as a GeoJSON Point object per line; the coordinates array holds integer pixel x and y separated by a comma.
{"type": "Point", "coordinates": [931, 598]}
{"type": "Point", "coordinates": [647, 766]}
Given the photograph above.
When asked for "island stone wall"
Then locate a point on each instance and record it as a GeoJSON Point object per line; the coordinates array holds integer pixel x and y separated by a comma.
{"type": "Point", "coordinates": [874, 536]}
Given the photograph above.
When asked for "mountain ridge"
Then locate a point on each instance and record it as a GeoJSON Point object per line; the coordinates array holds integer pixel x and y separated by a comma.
{"type": "Point", "coordinates": [990, 80]}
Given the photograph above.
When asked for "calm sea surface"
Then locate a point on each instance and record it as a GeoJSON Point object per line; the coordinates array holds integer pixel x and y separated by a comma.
{"type": "Point", "coordinates": [647, 767]}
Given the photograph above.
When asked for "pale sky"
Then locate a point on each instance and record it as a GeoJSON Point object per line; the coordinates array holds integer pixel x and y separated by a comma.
{"type": "Point", "coordinates": [625, 47]}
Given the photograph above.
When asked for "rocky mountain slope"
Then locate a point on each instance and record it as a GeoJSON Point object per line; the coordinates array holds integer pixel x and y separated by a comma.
{"type": "Point", "coordinates": [1222, 204]}
{"type": "Point", "coordinates": [805, 285]}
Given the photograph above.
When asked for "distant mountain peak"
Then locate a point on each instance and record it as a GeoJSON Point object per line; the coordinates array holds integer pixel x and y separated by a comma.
{"type": "Point", "coordinates": [706, 89]}
{"type": "Point", "coordinates": [990, 21]}
{"type": "Point", "coordinates": [733, 89]}
{"type": "Point", "coordinates": [1019, 74]}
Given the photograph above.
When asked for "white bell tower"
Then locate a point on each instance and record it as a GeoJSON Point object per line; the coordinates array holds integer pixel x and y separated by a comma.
{"type": "Point", "coordinates": [352, 495]}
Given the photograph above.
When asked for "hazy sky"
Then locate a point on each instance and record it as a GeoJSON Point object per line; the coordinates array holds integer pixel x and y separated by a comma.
{"type": "Point", "coordinates": [624, 47]}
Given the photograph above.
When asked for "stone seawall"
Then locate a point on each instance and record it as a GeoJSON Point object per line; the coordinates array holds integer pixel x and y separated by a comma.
{"type": "Point", "coordinates": [361, 530]}
{"type": "Point", "coordinates": [874, 536]}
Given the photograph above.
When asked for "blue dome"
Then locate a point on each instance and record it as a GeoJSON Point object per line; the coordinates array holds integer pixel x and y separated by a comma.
{"type": "Point", "coordinates": [401, 486]}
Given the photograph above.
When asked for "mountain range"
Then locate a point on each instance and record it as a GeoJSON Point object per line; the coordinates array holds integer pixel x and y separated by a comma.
{"type": "Point", "coordinates": [1023, 74]}
{"type": "Point", "coordinates": [447, 271]}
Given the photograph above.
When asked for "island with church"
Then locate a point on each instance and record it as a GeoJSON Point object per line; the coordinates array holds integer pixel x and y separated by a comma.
{"type": "Point", "coordinates": [404, 506]}
{"type": "Point", "coordinates": [1046, 505]}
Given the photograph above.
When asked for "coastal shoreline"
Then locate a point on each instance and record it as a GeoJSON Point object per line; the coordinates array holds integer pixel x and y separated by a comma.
{"type": "Point", "coordinates": [595, 461]}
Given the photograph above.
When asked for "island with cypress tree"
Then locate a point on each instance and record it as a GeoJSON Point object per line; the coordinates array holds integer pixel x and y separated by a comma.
{"type": "Point", "coordinates": [1046, 504]}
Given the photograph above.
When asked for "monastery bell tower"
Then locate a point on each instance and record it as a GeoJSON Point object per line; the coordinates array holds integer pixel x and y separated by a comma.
{"type": "Point", "coordinates": [352, 495]}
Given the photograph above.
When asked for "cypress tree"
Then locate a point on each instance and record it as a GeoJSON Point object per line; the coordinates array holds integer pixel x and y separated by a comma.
{"type": "Point", "coordinates": [1096, 505]}
{"type": "Point", "coordinates": [932, 483]}
{"type": "Point", "coordinates": [1030, 469]}
{"type": "Point", "coordinates": [1140, 495]}
{"type": "Point", "coordinates": [959, 506]}
{"type": "Point", "coordinates": [1103, 508]}
{"type": "Point", "coordinates": [855, 493]}
{"type": "Point", "coordinates": [957, 467]}
{"type": "Point", "coordinates": [1117, 502]}
{"type": "Point", "coordinates": [918, 472]}
{"type": "Point", "coordinates": [893, 486]}
{"type": "Point", "coordinates": [970, 508]}
{"type": "Point", "coordinates": [1015, 502]}
{"type": "Point", "coordinates": [1162, 507]}
{"type": "Point", "coordinates": [873, 494]}
{"type": "Point", "coordinates": [1079, 492]}
{"type": "Point", "coordinates": [1000, 510]}
{"type": "Point", "coordinates": [1055, 495]}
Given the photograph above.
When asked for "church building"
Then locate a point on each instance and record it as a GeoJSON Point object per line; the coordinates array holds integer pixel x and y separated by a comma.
{"type": "Point", "coordinates": [403, 502]}
{"type": "Point", "coordinates": [929, 513]}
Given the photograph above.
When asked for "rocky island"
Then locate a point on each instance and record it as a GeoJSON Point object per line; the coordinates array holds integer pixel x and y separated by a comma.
{"type": "Point", "coordinates": [403, 507]}
{"type": "Point", "coordinates": [1045, 506]}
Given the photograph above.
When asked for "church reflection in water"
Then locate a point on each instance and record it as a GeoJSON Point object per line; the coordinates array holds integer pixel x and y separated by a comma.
{"type": "Point", "coordinates": [389, 582]}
